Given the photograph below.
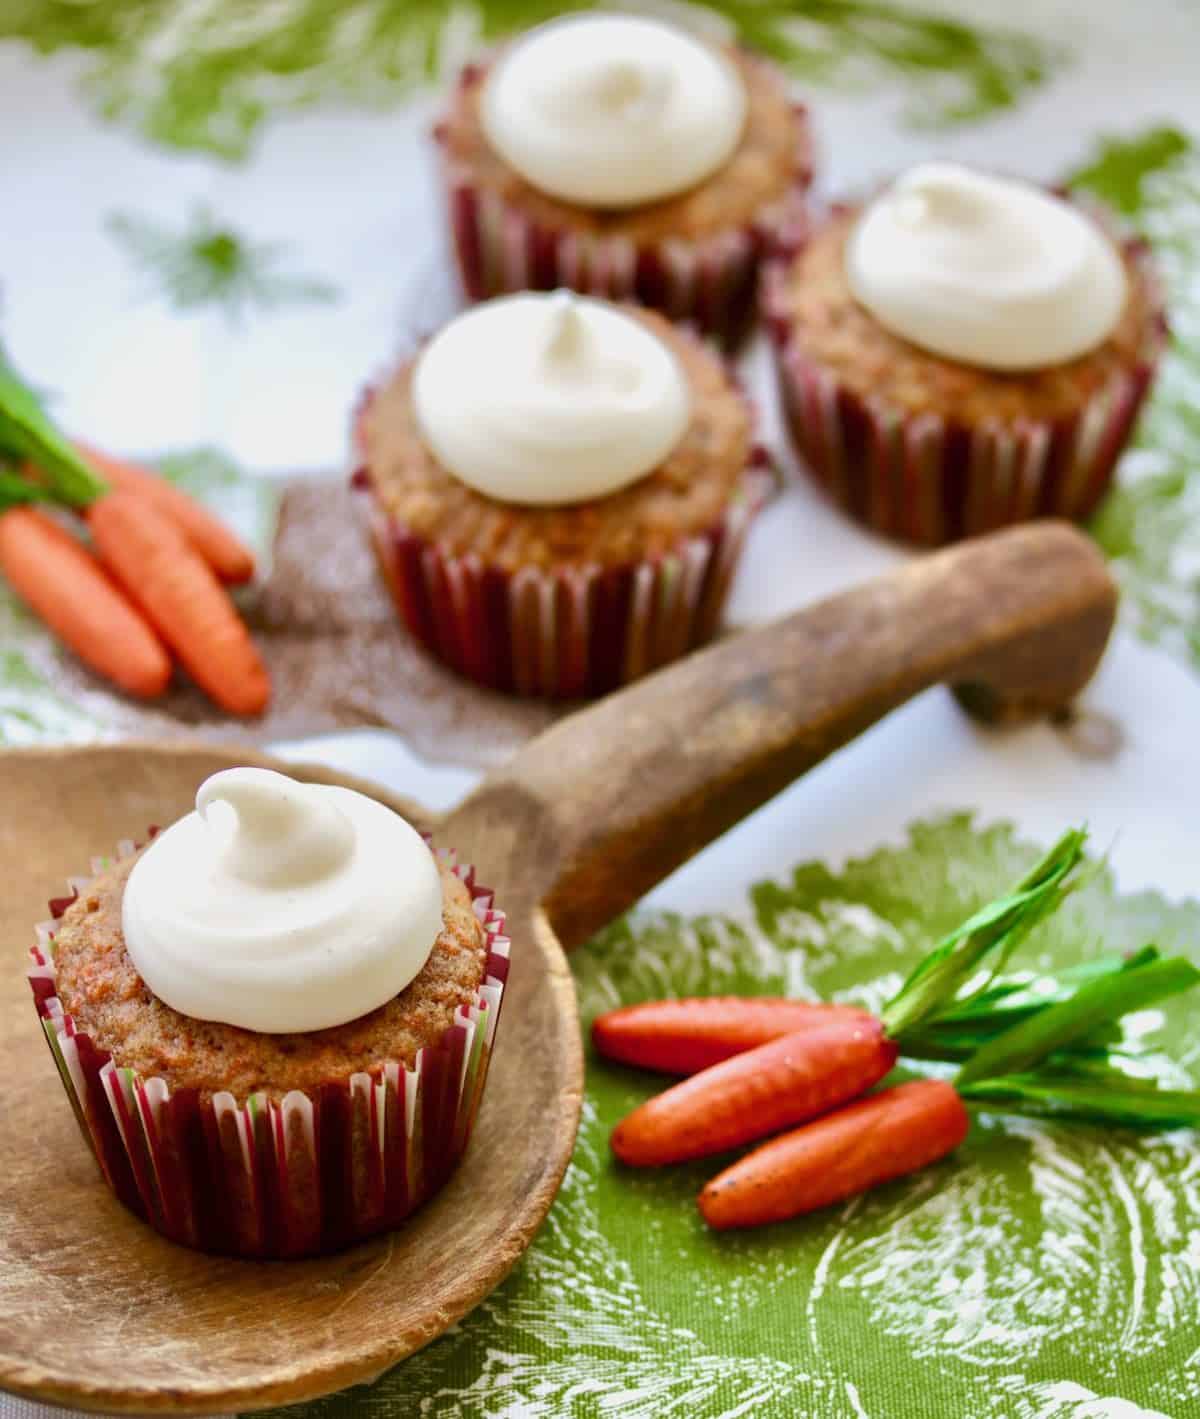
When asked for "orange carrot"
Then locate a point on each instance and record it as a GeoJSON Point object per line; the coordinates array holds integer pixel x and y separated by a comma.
{"type": "Point", "coordinates": [777, 1085]}
{"type": "Point", "coordinates": [180, 596]}
{"type": "Point", "coordinates": [683, 1036]}
{"type": "Point", "coordinates": [230, 558]}
{"type": "Point", "coordinates": [69, 589]}
{"type": "Point", "coordinates": [872, 1141]}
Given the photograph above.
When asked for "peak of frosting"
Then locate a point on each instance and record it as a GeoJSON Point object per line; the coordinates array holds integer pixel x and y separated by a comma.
{"type": "Point", "coordinates": [610, 110]}
{"type": "Point", "coordinates": [549, 399]}
{"type": "Point", "coordinates": [276, 832]}
{"type": "Point", "coordinates": [986, 270]}
{"type": "Point", "coordinates": [281, 906]}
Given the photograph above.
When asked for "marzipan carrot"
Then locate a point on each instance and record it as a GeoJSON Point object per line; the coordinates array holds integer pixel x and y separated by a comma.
{"type": "Point", "coordinates": [777, 1085]}
{"type": "Point", "coordinates": [60, 579]}
{"type": "Point", "coordinates": [882, 1137]}
{"type": "Point", "coordinates": [181, 597]}
{"type": "Point", "coordinates": [685, 1036]}
{"type": "Point", "coordinates": [230, 558]}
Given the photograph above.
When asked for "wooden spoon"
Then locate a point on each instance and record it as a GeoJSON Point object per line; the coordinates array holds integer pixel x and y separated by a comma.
{"type": "Point", "coordinates": [99, 1312]}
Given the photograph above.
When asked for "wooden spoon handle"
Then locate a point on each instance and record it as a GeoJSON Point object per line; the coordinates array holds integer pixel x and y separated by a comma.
{"type": "Point", "coordinates": [595, 811]}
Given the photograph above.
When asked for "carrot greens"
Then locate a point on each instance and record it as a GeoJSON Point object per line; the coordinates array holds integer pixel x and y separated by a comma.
{"type": "Point", "coordinates": [946, 980]}
{"type": "Point", "coordinates": [15, 490]}
{"type": "Point", "coordinates": [1105, 1097]}
{"type": "Point", "coordinates": [1093, 1006]}
{"type": "Point", "coordinates": [1049, 1043]}
{"type": "Point", "coordinates": [28, 435]}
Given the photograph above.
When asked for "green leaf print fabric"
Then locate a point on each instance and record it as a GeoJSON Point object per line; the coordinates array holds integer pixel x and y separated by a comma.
{"type": "Point", "coordinates": [265, 236]}
{"type": "Point", "coordinates": [207, 76]}
{"type": "Point", "coordinates": [1150, 525]}
{"type": "Point", "coordinates": [1037, 1256]}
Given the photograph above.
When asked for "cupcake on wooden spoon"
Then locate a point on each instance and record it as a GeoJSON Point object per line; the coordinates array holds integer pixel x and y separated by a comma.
{"type": "Point", "coordinates": [275, 1020]}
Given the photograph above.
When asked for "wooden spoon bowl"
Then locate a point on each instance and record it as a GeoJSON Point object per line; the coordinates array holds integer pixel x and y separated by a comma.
{"type": "Point", "coordinates": [98, 1311]}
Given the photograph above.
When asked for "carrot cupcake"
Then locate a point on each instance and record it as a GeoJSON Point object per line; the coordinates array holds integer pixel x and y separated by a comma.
{"type": "Point", "coordinates": [558, 489]}
{"type": "Point", "coordinates": [274, 1021]}
{"type": "Point", "coordinates": [962, 352]}
{"type": "Point", "coordinates": [624, 157]}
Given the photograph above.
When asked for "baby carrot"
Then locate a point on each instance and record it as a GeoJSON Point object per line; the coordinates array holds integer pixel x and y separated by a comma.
{"type": "Point", "coordinates": [684, 1036]}
{"type": "Point", "coordinates": [781, 1083]}
{"type": "Point", "coordinates": [230, 558]}
{"type": "Point", "coordinates": [885, 1136]}
{"type": "Point", "coordinates": [181, 597]}
{"type": "Point", "coordinates": [68, 588]}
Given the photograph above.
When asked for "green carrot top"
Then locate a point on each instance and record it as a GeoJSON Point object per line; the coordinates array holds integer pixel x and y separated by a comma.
{"type": "Point", "coordinates": [1049, 1044]}
{"type": "Point", "coordinates": [28, 435]}
{"type": "Point", "coordinates": [935, 988]}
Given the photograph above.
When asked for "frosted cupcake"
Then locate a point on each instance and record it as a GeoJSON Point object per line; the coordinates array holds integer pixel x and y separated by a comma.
{"type": "Point", "coordinates": [628, 158]}
{"type": "Point", "coordinates": [275, 1021]}
{"type": "Point", "coordinates": [962, 352]}
{"type": "Point", "coordinates": [558, 489]}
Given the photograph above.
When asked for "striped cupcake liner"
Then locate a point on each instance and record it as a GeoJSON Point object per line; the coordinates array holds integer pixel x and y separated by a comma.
{"type": "Point", "coordinates": [567, 632]}
{"type": "Point", "coordinates": [712, 282]}
{"type": "Point", "coordinates": [927, 479]}
{"type": "Point", "coordinates": [309, 1173]}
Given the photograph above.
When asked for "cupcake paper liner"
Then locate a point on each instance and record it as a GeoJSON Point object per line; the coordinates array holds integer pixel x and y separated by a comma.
{"type": "Point", "coordinates": [312, 1172]}
{"type": "Point", "coordinates": [927, 479]}
{"type": "Point", "coordinates": [710, 282]}
{"type": "Point", "coordinates": [568, 632]}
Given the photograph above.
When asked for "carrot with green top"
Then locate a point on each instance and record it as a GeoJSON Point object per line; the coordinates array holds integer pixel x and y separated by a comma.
{"type": "Point", "coordinates": [179, 594]}
{"type": "Point", "coordinates": [777, 1085]}
{"type": "Point", "coordinates": [901, 1130]}
{"type": "Point", "coordinates": [225, 553]}
{"type": "Point", "coordinates": [798, 1076]}
{"type": "Point", "coordinates": [1047, 1044]}
{"type": "Point", "coordinates": [685, 1036]}
{"type": "Point", "coordinates": [56, 576]}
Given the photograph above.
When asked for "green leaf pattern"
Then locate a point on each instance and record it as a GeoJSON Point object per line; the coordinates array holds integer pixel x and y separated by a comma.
{"type": "Point", "coordinates": [208, 74]}
{"type": "Point", "coordinates": [207, 263]}
{"type": "Point", "coordinates": [1150, 525]}
{"type": "Point", "coordinates": [1040, 1256]}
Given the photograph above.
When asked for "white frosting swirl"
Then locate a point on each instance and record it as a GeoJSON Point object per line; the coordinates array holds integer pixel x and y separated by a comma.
{"type": "Point", "coordinates": [549, 399]}
{"type": "Point", "coordinates": [281, 906]}
{"type": "Point", "coordinates": [613, 110]}
{"type": "Point", "coordinates": [985, 270]}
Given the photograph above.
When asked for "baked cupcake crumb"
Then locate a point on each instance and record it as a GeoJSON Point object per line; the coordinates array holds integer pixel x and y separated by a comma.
{"type": "Point", "coordinates": [101, 989]}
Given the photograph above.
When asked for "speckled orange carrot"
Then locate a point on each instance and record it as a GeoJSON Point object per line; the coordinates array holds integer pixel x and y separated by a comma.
{"type": "Point", "coordinates": [894, 1132]}
{"type": "Point", "coordinates": [230, 558]}
{"type": "Point", "coordinates": [179, 594]}
{"type": "Point", "coordinates": [775, 1086]}
{"type": "Point", "coordinates": [685, 1036]}
{"type": "Point", "coordinates": [58, 577]}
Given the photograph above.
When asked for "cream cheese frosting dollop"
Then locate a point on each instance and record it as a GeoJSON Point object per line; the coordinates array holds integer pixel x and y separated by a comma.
{"type": "Point", "coordinates": [281, 906]}
{"type": "Point", "coordinates": [610, 110]}
{"type": "Point", "coordinates": [985, 270]}
{"type": "Point", "coordinates": [549, 399]}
